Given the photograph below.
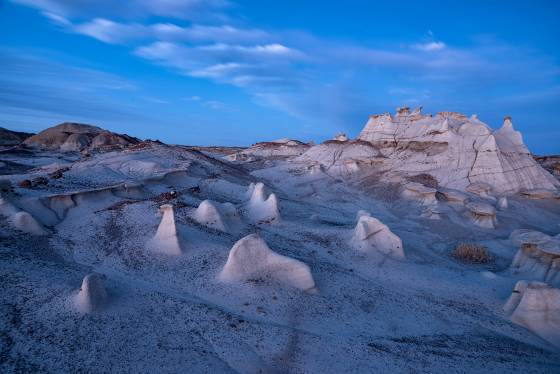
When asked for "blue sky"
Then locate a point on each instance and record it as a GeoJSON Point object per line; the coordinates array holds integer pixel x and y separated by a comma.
{"type": "Point", "coordinates": [236, 72]}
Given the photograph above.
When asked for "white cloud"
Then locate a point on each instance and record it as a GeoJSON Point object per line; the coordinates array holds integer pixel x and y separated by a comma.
{"type": "Point", "coordinates": [111, 32]}
{"type": "Point", "coordinates": [430, 46]}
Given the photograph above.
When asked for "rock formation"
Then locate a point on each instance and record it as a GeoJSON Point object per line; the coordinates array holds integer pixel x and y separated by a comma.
{"type": "Point", "coordinates": [420, 193]}
{"type": "Point", "coordinates": [92, 295]}
{"type": "Point", "coordinates": [215, 215]}
{"type": "Point", "coordinates": [503, 203]}
{"type": "Point", "coordinates": [456, 150]}
{"type": "Point", "coordinates": [538, 256]}
{"type": "Point", "coordinates": [261, 209]}
{"type": "Point", "coordinates": [76, 137]}
{"type": "Point", "coordinates": [277, 148]}
{"type": "Point", "coordinates": [166, 241]}
{"type": "Point", "coordinates": [341, 158]}
{"type": "Point", "coordinates": [482, 214]}
{"type": "Point", "coordinates": [371, 236]}
{"type": "Point", "coordinates": [20, 220]}
{"type": "Point", "coordinates": [536, 306]}
{"type": "Point", "coordinates": [251, 258]}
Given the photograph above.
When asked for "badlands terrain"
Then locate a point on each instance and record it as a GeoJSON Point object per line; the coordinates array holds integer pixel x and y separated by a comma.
{"type": "Point", "coordinates": [428, 243]}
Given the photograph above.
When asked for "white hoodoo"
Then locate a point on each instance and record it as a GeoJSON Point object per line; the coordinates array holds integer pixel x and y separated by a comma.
{"type": "Point", "coordinates": [260, 209]}
{"type": "Point", "coordinates": [251, 258]}
{"type": "Point", "coordinates": [372, 236]}
{"type": "Point", "coordinates": [166, 240]}
{"type": "Point", "coordinates": [209, 214]}
{"type": "Point", "coordinates": [92, 295]}
{"type": "Point", "coordinates": [538, 256]}
{"type": "Point", "coordinates": [536, 306]}
{"type": "Point", "coordinates": [482, 214]}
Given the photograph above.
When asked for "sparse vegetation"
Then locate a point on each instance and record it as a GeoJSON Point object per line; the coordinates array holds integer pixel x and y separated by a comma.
{"type": "Point", "coordinates": [471, 253]}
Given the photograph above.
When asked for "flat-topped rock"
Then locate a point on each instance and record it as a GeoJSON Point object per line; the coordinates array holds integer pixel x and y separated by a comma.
{"type": "Point", "coordinates": [538, 256]}
{"type": "Point", "coordinates": [482, 214]}
{"type": "Point", "coordinates": [420, 193]}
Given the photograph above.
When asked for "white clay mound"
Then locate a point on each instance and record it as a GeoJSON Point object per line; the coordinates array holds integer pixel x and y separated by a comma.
{"type": "Point", "coordinates": [251, 258]}
{"type": "Point", "coordinates": [209, 215]}
{"type": "Point", "coordinates": [92, 295]}
{"type": "Point", "coordinates": [260, 209]}
{"type": "Point", "coordinates": [482, 214]}
{"type": "Point", "coordinates": [166, 240]}
{"type": "Point", "coordinates": [536, 306]}
{"type": "Point", "coordinates": [372, 236]}
{"type": "Point", "coordinates": [20, 220]}
{"type": "Point", "coordinates": [538, 257]}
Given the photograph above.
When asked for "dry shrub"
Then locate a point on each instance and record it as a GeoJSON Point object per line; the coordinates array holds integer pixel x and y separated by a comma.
{"type": "Point", "coordinates": [471, 253]}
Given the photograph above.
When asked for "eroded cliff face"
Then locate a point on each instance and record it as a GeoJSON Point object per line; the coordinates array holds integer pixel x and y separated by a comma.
{"type": "Point", "coordinates": [457, 150]}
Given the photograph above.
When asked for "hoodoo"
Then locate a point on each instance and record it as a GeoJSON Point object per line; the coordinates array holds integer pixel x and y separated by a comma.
{"type": "Point", "coordinates": [209, 214]}
{"type": "Point", "coordinates": [538, 256]}
{"type": "Point", "coordinates": [260, 209]}
{"type": "Point", "coordinates": [166, 240]}
{"type": "Point", "coordinates": [371, 236]}
{"type": "Point", "coordinates": [251, 258]}
{"type": "Point", "coordinates": [92, 295]}
{"type": "Point", "coordinates": [536, 306]}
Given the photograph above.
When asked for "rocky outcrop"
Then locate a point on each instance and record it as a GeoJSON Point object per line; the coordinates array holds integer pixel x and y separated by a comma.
{"type": "Point", "coordinates": [76, 137]}
{"type": "Point", "coordinates": [550, 163]}
{"type": "Point", "coordinates": [251, 259]}
{"type": "Point", "coordinates": [19, 219]}
{"type": "Point", "coordinates": [458, 151]}
{"type": "Point", "coordinates": [536, 306]}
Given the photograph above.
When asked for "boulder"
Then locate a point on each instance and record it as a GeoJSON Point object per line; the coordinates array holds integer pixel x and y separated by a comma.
{"type": "Point", "coordinates": [251, 258]}
{"type": "Point", "coordinates": [536, 306]}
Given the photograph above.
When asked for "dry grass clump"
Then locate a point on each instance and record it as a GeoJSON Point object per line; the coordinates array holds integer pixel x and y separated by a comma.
{"type": "Point", "coordinates": [471, 253]}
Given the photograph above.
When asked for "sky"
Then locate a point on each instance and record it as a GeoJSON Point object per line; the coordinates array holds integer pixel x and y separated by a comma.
{"type": "Point", "coordinates": [225, 72]}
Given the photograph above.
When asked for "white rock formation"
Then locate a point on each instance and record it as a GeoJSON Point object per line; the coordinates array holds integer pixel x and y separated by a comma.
{"type": "Point", "coordinates": [503, 203]}
{"type": "Point", "coordinates": [261, 209]}
{"type": "Point", "coordinates": [538, 256]}
{"type": "Point", "coordinates": [166, 241]}
{"type": "Point", "coordinates": [536, 306]}
{"type": "Point", "coordinates": [482, 214]}
{"type": "Point", "coordinates": [215, 215]}
{"type": "Point", "coordinates": [92, 295]}
{"type": "Point", "coordinates": [251, 258]}
{"type": "Point", "coordinates": [341, 158]}
{"type": "Point", "coordinates": [481, 189]}
{"type": "Point", "coordinates": [456, 150]}
{"type": "Point", "coordinates": [20, 220]}
{"type": "Point", "coordinates": [371, 236]}
{"type": "Point", "coordinates": [419, 192]}
{"type": "Point", "coordinates": [341, 137]}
